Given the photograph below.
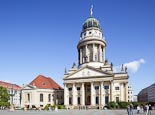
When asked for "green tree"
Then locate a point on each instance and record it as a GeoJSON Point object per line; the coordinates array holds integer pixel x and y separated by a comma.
{"type": "Point", "coordinates": [4, 97]}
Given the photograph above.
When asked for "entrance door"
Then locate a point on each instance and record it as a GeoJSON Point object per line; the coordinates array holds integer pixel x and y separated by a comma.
{"type": "Point", "coordinates": [78, 100]}
{"type": "Point", "coordinates": [88, 100]}
{"type": "Point", "coordinates": [70, 100]}
{"type": "Point", "coordinates": [97, 100]}
{"type": "Point", "coordinates": [106, 99]}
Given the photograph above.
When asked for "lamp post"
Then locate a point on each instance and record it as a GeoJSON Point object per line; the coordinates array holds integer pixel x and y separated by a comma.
{"type": "Point", "coordinates": [12, 94]}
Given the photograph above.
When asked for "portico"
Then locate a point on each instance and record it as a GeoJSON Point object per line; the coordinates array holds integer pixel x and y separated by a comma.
{"type": "Point", "coordinates": [91, 93]}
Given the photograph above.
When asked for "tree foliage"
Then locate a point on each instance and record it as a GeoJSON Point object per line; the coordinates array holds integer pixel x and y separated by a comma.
{"type": "Point", "coordinates": [4, 97]}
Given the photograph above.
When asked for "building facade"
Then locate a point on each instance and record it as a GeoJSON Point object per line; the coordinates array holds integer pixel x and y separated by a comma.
{"type": "Point", "coordinates": [147, 94]}
{"type": "Point", "coordinates": [130, 94]}
{"type": "Point", "coordinates": [93, 82]}
{"type": "Point", "coordinates": [135, 98]}
{"type": "Point", "coordinates": [40, 92]}
{"type": "Point", "coordinates": [14, 92]}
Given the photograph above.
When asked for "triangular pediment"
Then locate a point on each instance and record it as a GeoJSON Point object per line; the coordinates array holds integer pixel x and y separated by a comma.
{"type": "Point", "coordinates": [28, 87]}
{"type": "Point", "coordinates": [88, 71]}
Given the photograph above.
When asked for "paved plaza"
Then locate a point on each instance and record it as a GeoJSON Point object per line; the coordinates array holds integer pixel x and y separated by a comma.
{"type": "Point", "coordinates": [71, 112]}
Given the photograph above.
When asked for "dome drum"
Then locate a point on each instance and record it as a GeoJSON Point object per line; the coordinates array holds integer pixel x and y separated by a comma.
{"type": "Point", "coordinates": [92, 41]}
{"type": "Point", "coordinates": [89, 33]}
{"type": "Point", "coordinates": [91, 47]}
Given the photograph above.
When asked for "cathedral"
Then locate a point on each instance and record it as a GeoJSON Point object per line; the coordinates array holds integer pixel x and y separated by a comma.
{"type": "Point", "coordinates": [93, 83]}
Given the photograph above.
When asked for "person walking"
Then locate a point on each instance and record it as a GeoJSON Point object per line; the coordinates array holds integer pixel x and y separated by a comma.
{"type": "Point", "coordinates": [128, 109]}
{"type": "Point", "coordinates": [131, 109]}
{"type": "Point", "coordinates": [138, 109]}
{"type": "Point", "coordinates": [150, 109]}
{"type": "Point", "coordinates": [147, 109]}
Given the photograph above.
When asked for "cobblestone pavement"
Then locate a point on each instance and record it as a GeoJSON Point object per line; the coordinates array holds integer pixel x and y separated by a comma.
{"type": "Point", "coordinates": [71, 112]}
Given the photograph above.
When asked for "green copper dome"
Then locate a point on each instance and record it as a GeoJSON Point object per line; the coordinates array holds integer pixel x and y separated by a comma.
{"type": "Point", "coordinates": [91, 22]}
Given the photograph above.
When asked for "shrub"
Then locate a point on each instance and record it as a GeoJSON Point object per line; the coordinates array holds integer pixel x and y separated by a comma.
{"type": "Point", "coordinates": [113, 105]}
{"type": "Point", "coordinates": [61, 107]}
{"type": "Point", "coordinates": [47, 106]}
{"type": "Point", "coordinates": [123, 104]}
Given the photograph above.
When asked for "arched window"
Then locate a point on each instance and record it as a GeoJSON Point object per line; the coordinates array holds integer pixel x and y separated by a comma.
{"type": "Point", "coordinates": [41, 97]}
{"type": "Point", "coordinates": [49, 97]}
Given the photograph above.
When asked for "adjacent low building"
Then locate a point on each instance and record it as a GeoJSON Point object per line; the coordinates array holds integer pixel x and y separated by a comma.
{"type": "Point", "coordinates": [13, 91]}
{"type": "Point", "coordinates": [40, 92]}
{"type": "Point", "coordinates": [135, 98]}
{"type": "Point", "coordinates": [147, 94]}
{"type": "Point", "coordinates": [130, 94]}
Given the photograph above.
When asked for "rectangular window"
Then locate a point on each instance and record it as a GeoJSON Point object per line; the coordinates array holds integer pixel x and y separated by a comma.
{"type": "Point", "coordinates": [116, 88]}
{"type": "Point", "coordinates": [117, 99]}
{"type": "Point", "coordinates": [78, 88]}
{"type": "Point", "coordinates": [96, 87]}
{"type": "Point", "coordinates": [49, 97]}
{"type": "Point", "coordinates": [57, 96]}
{"type": "Point", "coordinates": [28, 97]}
{"type": "Point", "coordinates": [41, 97]}
{"type": "Point", "coordinates": [70, 88]}
{"type": "Point", "coordinates": [106, 87]}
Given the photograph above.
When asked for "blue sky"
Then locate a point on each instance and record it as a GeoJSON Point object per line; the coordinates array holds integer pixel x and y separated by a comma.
{"type": "Point", "coordinates": [41, 36]}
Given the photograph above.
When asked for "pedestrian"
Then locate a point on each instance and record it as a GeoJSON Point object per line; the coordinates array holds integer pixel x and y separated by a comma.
{"type": "Point", "coordinates": [138, 109]}
{"type": "Point", "coordinates": [147, 109]}
{"type": "Point", "coordinates": [150, 109]}
{"type": "Point", "coordinates": [144, 108]}
{"type": "Point", "coordinates": [128, 110]}
{"type": "Point", "coordinates": [131, 109]}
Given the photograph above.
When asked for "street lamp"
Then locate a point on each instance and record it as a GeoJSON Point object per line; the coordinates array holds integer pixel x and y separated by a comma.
{"type": "Point", "coordinates": [12, 94]}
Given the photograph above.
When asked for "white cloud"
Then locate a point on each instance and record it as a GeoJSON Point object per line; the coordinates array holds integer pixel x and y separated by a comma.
{"type": "Point", "coordinates": [132, 67]}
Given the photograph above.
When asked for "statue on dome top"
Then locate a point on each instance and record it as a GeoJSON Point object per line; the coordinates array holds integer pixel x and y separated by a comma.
{"type": "Point", "coordinates": [91, 11]}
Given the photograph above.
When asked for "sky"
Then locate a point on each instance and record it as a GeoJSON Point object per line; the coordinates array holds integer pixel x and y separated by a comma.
{"type": "Point", "coordinates": [40, 37]}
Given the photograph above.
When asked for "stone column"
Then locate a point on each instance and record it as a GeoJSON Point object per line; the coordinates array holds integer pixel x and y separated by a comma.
{"type": "Point", "coordinates": [101, 93]}
{"type": "Point", "coordinates": [103, 54]}
{"type": "Point", "coordinates": [87, 54]}
{"type": "Point", "coordinates": [93, 52]}
{"type": "Point", "coordinates": [122, 91]}
{"type": "Point", "coordinates": [81, 56]}
{"type": "Point", "coordinates": [74, 94]}
{"type": "Point", "coordinates": [100, 53]}
{"type": "Point", "coordinates": [92, 94]}
{"type": "Point", "coordinates": [83, 94]}
{"type": "Point", "coordinates": [66, 101]}
{"type": "Point", "coordinates": [111, 91]}
{"type": "Point", "coordinates": [126, 91]}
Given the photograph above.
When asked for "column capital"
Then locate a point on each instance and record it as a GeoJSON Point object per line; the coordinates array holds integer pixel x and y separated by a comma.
{"type": "Point", "coordinates": [65, 84]}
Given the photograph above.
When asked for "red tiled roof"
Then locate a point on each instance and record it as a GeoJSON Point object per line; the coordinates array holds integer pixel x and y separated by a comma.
{"type": "Point", "coordinates": [45, 83]}
{"type": "Point", "coordinates": [9, 85]}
